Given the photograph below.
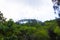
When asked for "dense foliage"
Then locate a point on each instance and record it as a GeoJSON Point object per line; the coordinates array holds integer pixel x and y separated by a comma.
{"type": "Point", "coordinates": [9, 30]}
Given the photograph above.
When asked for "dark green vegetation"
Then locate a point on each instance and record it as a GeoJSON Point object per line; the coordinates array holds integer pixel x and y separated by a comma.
{"type": "Point", "coordinates": [9, 30]}
{"type": "Point", "coordinates": [49, 30]}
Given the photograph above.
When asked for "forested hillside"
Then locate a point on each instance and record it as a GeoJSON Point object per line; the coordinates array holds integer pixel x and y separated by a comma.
{"type": "Point", "coordinates": [9, 30]}
{"type": "Point", "coordinates": [34, 30]}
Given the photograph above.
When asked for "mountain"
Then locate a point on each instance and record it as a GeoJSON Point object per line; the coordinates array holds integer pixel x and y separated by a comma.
{"type": "Point", "coordinates": [29, 21]}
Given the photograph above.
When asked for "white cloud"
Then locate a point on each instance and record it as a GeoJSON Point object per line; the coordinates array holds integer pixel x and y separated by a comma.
{"type": "Point", "coordinates": [15, 10]}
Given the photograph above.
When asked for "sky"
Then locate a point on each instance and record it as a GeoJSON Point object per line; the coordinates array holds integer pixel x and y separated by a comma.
{"type": "Point", "coordinates": [27, 9]}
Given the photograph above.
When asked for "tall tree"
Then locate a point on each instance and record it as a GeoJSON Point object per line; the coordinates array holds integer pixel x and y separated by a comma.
{"type": "Point", "coordinates": [56, 6]}
{"type": "Point", "coordinates": [2, 19]}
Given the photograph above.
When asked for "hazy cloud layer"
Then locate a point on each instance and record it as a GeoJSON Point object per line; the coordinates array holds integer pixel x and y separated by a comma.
{"type": "Point", "coordinates": [20, 9]}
